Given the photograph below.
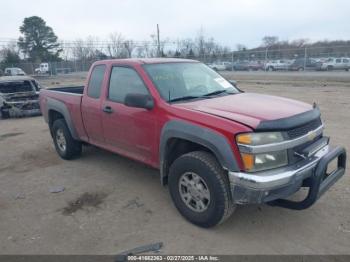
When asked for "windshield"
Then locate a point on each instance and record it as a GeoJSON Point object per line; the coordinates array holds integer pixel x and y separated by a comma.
{"type": "Point", "coordinates": [175, 81]}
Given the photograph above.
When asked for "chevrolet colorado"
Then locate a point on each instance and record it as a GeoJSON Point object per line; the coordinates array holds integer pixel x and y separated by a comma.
{"type": "Point", "coordinates": [215, 146]}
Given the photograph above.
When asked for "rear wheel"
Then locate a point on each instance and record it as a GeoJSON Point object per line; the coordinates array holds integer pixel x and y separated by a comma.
{"type": "Point", "coordinates": [66, 146]}
{"type": "Point", "coordinates": [200, 189]}
{"type": "Point", "coordinates": [329, 68]}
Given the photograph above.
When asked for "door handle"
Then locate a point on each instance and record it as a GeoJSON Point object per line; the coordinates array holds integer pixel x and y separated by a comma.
{"type": "Point", "coordinates": [107, 109]}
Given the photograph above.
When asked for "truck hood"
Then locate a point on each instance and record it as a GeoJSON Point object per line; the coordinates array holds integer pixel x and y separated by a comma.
{"type": "Point", "coordinates": [248, 108]}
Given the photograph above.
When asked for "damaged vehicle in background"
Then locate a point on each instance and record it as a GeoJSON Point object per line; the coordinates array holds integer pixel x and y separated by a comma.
{"type": "Point", "coordinates": [19, 96]}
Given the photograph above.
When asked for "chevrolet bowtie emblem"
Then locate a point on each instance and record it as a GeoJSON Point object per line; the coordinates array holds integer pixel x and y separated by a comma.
{"type": "Point", "coordinates": [311, 135]}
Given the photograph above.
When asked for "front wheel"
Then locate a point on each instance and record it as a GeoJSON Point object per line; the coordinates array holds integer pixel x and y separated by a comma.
{"type": "Point", "coordinates": [200, 189]}
{"type": "Point", "coordinates": [66, 146]}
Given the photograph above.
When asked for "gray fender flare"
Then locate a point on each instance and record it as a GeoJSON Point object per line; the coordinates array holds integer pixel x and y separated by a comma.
{"type": "Point", "coordinates": [206, 137]}
{"type": "Point", "coordinates": [60, 107]}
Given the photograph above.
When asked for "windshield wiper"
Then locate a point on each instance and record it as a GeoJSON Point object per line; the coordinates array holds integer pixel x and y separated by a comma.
{"type": "Point", "coordinates": [183, 98]}
{"type": "Point", "coordinates": [217, 92]}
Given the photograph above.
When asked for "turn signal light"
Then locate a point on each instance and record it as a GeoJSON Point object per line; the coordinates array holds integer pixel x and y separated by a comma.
{"type": "Point", "coordinates": [244, 139]}
{"type": "Point", "coordinates": [248, 161]}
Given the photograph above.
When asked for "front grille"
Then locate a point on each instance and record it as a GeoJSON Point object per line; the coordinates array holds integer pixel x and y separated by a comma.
{"type": "Point", "coordinates": [304, 129]}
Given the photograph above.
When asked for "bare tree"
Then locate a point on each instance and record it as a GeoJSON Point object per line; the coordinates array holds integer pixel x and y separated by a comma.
{"type": "Point", "coordinates": [241, 47]}
{"type": "Point", "coordinates": [10, 54]}
{"type": "Point", "coordinates": [269, 41]}
{"type": "Point", "coordinates": [129, 47]}
{"type": "Point", "coordinates": [79, 50]}
{"type": "Point", "coordinates": [116, 45]}
{"type": "Point", "coordinates": [66, 53]}
{"type": "Point", "coordinates": [200, 42]}
{"type": "Point", "coordinates": [209, 46]}
{"type": "Point", "coordinates": [185, 46]}
{"type": "Point", "coordinates": [300, 42]}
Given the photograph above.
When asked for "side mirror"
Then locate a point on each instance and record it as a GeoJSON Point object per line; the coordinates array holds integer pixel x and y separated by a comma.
{"type": "Point", "coordinates": [139, 101]}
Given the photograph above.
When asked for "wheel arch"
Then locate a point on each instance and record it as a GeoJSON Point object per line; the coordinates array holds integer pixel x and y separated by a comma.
{"type": "Point", "coordinates": [58, 110]}
{"type": "Point", "coordinates": [180, 137]}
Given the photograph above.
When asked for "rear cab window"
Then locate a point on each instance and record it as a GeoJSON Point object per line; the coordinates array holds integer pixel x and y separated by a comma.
{"type": "Point", "coordinates": [95, 82]}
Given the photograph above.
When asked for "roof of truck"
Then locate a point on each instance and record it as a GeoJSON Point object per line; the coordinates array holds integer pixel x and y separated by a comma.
{"type": "Point", "coordinates": [147, 60]}
{"type": "Point", "coordinates": [14, 78]}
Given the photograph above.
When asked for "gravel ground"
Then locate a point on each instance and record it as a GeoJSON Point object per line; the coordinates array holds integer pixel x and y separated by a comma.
{"type": "Point", "coordinates": [110, 204]}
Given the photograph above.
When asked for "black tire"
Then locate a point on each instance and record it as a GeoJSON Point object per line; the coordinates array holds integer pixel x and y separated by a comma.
{"type": "Point", "coordinates": [270, 68]}
{"type": "Point", "coordinates": [204, 164]}
{"type": "Point", "coordinates": [73, 148]}
{"type": "Point", "coordinates": [329, 68]}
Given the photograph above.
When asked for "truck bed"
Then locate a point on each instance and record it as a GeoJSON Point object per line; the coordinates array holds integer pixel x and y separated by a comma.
{"type": "Point", "coordinates": [69, 99]}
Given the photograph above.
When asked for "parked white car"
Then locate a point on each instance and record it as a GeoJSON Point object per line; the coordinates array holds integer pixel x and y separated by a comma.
{"type": "Point", "coordinates": [14, 71]}
{"type": "Point", "coordinates": [220, 66]}
{"type": "Point", "coordinates": [278, 65]}
{"type": "Point", "coordinates": [342, 63]}
{"type": "Point", "coordinates": [43, 68]}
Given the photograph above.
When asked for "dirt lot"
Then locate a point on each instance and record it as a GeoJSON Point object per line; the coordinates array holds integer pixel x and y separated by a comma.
{"type": "Point", "coordinates": [111, 204]}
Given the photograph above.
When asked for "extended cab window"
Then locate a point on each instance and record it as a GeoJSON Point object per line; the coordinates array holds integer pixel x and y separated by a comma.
{"type": "Point", "coordinates": [96, 79]}
{"type": "Point", "coordinates": [125, 81]}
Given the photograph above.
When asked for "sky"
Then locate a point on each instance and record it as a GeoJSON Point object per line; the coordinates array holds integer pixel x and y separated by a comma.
{"type": "Point", "coordinates": [229, 22]}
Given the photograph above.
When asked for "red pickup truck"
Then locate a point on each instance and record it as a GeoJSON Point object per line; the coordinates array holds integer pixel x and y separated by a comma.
{"type": "Point", "coordinates": [215, 146]}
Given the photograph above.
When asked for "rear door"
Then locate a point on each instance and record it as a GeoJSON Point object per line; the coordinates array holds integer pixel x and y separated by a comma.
{"type": "Point", "coordinates": [91, 105]}
{"type": "Point", "coordinates": [128, 130]}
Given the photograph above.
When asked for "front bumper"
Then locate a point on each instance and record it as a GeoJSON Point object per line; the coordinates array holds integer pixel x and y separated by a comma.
{"type": "Point", "coordinates": [274, 185]}
{"type": "Point", "coordinates": [21, 108]}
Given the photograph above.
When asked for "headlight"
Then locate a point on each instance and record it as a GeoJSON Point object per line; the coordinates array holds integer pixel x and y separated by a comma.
{"type": "Point", "coordinates": [262, 161]}
{"type": "Point", "coordinates": [256, 139]}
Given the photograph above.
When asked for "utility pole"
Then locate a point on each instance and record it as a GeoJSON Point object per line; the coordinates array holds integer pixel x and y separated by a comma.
{"type": "Point", "coordinates": [266, 57]}
{"type": "Point", "coordinates": [158, 41]}
{"type": "Point", "coordinates": [305, 57]}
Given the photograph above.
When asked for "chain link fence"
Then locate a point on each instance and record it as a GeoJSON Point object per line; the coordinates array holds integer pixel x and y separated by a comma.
{"type": "Point", "coordinates": [298, 59]}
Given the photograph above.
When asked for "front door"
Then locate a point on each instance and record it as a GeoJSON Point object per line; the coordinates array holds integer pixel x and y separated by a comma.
{"type": "Point", "coordinates": [128, 130]}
